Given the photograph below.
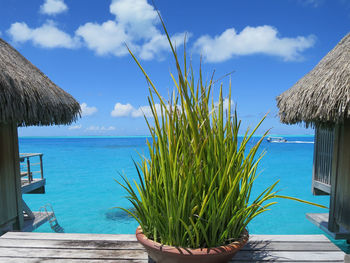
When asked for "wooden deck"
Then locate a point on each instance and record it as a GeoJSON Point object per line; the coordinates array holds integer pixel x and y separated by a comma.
{"type": "Point", "coordinates": [30, 224]}
{"type": "Point", "coordinates": [53, 247]}
{"type": "Point", "coordinates": [34, 186]}
{"type": "Point", "coordinates": [32, 173]}
{"type": "Point", "coordinates": [321, 220]}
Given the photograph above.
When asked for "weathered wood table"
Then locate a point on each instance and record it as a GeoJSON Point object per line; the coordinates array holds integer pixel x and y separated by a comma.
{"type": "Point", "coordinates": [54, 247]}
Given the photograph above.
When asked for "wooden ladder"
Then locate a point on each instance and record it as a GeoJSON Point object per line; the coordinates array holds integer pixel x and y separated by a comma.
{"type": "Point", "coordinates": [55, 226]}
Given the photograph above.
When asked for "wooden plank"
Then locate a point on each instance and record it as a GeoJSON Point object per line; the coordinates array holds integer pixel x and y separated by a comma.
{"type": "Point", "coordinates": [291, 238]}
{"type": "Point", "coordinates": [35, 184]}
{"type": "Point", "coordinates": [290, 246]}
{"type": "Point", "coordinates": [131, 237]}
{"type": "Point", "coordinates": [281, 256]}
{"type": "Point", "coordinates": [24, 155]}
{"type": "Point", "coordinates": [54, 247]}
{"type": "Point", "coordinates": [25, 181]}
{"type": "Point", "coordinates": [93, 244]}
{"type": "Point", "coordinates": [317, 239]}
{"type": "Point", "coordinates": [326, 188]}
{"type": "Point", "coordinates": [48, 260]}
{"type": "Point", "coordinates": [281, 260]}
{"type": "Point", "coordinates": [74, 253]}
{"type": "Point", "coordinates": [68, 236]}
{"type": "Point", "coordinates": [72, 244]}
{"type": "Point", "coordinates": [241, 256]}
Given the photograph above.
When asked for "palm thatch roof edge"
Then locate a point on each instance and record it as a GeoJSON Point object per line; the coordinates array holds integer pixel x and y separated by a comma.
{"type": "Point", "coordinates": [321, 97]}
{"type": "Point", "coordinates": [28, 97]}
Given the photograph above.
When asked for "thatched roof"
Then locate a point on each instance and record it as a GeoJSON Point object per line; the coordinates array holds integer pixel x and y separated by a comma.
{"type": "Point", "coordinates": [28, 96]}
{"type": "Point", "coordinates": [322, 97]}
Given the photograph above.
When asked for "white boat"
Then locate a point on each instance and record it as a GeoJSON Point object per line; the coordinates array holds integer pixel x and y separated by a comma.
{"type": "Point", "coordinates": [276, 139]}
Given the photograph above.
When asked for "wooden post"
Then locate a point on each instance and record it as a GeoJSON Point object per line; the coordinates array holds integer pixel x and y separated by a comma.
{"type": "Point", "coordinates": [17, 178]}
{"type": "Point", "coordinates": [332, 223]}
{"type": "Point", "coordinates": [41, 166]}
{"type": "Point", "coordinates": [28, 171]}
{"type": "Point", "coordinates": [314, 170]}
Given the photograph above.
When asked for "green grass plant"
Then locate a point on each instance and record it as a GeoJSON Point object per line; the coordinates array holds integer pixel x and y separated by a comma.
{"type": "Point", "coordinates": [195, 189]}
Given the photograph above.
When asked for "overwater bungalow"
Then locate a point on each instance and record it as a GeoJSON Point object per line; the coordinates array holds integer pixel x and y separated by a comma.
{"type": "Point", "coordinates": [27, 97]}
{"type": "Point", "coordinates": [321, 99]}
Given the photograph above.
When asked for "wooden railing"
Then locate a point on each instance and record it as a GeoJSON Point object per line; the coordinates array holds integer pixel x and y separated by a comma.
{"type": "Point", "coordinates": [323, 155]}
{"type": "Point", "coordinates": [31, 170]}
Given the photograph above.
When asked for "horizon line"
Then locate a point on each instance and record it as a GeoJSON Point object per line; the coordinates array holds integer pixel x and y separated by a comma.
{"type": "Point", "coordinates": [147, 136]}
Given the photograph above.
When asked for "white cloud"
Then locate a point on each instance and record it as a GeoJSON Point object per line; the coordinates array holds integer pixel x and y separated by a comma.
{"type": "Point", "coordinates": [20, 32]}
{"type": "Point", "coordinates": [145, 111]}
{"type": "Point", "coordinates": [47, 36]}
{"type": "Point", "coordinates": [127, 110]}
{"type": "Point", "coordinates": [251, 40]}
{"type": "Point", "coordinates": [75, 127]}
{"type": "Point", "coordinates": [122, 110]}
{"type": "Point", "coordinates": [136, 16]}
{"type": "Point", "coordinates": [135, 24]}
{"type": "Point", "coordinates": [110, 128]}
{"type": "Point", "coordinates": [86, 110]}
{"type": "Point", "coordinates": [53, 7]}
{"type": "Point", "coordinates": [226, 102]}
{"type": "Point", "coordinates": [100, 128]}
{"type": "Point", "coordinates": [93, 128]}
{"type": "Point", "coordinates": [106, 38]}
{"type": "Point", "coordinates": [159, 43]}
{"type": "Point", "coordinates": [225, 105]}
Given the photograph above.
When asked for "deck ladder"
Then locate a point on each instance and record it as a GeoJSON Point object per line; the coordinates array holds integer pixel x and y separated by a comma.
{"type": "Point", "coordinates": [55, 226]}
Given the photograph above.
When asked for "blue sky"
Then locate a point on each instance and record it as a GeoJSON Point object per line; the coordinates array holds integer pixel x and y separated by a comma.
{"type": "Point", "coordinates": [270, 44]}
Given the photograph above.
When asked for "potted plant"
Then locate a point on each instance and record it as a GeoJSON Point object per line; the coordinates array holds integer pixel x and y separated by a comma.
{"type": "Point", "coordinates": [193, 199]}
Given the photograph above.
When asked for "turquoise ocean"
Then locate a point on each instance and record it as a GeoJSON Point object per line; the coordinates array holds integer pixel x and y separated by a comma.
{"type": "Point", "coordinates": [81, 186]}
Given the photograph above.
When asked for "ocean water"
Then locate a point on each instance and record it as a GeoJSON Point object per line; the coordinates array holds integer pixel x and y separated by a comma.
{"type": "Point", "coordinates": [81, 186]}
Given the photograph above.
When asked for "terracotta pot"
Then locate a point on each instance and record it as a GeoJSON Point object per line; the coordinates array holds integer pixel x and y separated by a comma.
{"type": "Point", "coordinates": [169, 254]}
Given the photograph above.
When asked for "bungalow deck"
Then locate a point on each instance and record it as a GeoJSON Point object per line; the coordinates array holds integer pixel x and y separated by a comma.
{"type": "Point", "coordinates": [54, 247]}
{"type": "Point", "coordinates": [321, 220]}
{"type": "Point", "coordinates": [33, 182]}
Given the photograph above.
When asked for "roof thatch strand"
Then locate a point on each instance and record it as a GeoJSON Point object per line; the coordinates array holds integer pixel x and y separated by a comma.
{"type": "Point", "coordinates": [322, 97]}
{"type": "Point", "coordinates": [28, 96]}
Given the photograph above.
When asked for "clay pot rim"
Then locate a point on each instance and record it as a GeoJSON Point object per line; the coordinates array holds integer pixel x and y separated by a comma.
{"type": "Point", "coordinates": [225, 249]}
